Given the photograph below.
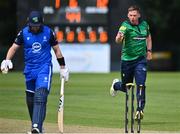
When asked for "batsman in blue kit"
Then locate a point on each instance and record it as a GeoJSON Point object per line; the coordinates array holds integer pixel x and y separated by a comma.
{"type": "Point", "coordinates": [37, 41]}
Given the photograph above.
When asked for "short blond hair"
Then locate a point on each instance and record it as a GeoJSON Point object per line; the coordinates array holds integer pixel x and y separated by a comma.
{"type": "Point", "coordinates": [134, 7]}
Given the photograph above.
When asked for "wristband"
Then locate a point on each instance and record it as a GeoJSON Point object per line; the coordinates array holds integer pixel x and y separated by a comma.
{"type": "Point", "coordinates": [61, 61]}
{"type": "Point", "coordinates": [149, 50]}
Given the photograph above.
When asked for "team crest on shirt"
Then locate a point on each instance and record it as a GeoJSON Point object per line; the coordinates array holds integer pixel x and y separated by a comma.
{"type": "Point", "coordinates": [44, 38]}
{"type": "Point", "coordinates": [36, 47]}
{"type": "Point", "coordinates": [122, 28]}
{"type": "Point", "coordinates": [45, 79]}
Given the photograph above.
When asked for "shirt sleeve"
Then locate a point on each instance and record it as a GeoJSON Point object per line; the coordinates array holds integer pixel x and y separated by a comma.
{"type": "Point", "coordinates": [53, 39]}
{"type": "Point", "coordinates": [123, 29]}
{"type": "Point", "coordinates": [148, 31]}
{"type": "Point", "coordinates": [19, 38]}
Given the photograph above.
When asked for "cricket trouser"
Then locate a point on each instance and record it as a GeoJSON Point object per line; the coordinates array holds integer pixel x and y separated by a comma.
{"type": "Point", "coordinates": [30, 103]}
{"type": "Point", "coordinates": [134, 69]}
{"type": "Point", "coordinates": [38, 83]}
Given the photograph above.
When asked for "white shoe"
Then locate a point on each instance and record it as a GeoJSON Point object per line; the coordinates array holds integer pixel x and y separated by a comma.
{"type": "Point", "coordinates": [113, 92]}
{"type": "Point", "coordinates": [35, 131]}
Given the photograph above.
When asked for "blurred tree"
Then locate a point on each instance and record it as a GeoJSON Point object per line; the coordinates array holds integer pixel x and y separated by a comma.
{"type": "Point", "coordinates": [7, 22]}
{"type": "Point", "coordinates": [164, 19]}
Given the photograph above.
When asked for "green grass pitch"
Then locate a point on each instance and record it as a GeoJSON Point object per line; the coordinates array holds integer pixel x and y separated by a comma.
{"type": "Point", "coordinates": [88, 103]}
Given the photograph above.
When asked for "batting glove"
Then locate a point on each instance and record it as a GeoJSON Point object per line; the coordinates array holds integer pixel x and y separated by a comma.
{"type": "Point", "coordinates": [64, 73]}
{"type": "Point", "coordinates": [6, 65]}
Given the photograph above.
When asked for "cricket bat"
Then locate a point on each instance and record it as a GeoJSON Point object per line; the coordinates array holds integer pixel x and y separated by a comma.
{"type": "Point", "coordinates": [61, 107]}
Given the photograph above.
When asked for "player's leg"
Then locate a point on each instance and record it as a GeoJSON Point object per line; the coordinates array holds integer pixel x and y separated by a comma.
{"type": "Point", "coordinates": [39, 113]}
{"type": "Point", "coordinates": [115, 86]}
{"type": "Point", "coordinates": [43, 84]}
{"type": "Point", "coordinates": [127, 74]}
{"type": "Point", "coordinates": [140, 78]}
{"type": "Point", "coordinates": [30, 88]}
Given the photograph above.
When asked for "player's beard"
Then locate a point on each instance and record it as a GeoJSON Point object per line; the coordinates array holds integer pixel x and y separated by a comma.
{"type": "Point", "coordinates": [35, 30]}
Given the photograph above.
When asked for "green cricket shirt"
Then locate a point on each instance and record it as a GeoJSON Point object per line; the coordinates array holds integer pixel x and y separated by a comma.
{"type": "Point", "coordinates": [134, 42]}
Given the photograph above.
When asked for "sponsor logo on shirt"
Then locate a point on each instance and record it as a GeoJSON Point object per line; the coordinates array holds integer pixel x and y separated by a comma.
{"type": "Point", "coordinates": [139, 38]}
{"type": "Point", "coordinates": [36, 47]}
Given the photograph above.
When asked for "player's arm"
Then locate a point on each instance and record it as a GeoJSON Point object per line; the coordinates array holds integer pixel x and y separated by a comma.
{"type": "Point", "coordinates": [64, 71]}
{"type": "Point", "coordinates": [6, 64]}
{"type": "Point", "coordinates": [15, 46]}
{"type": "Point", "coordinates": [121, 33]}
{"type": "Point", "coordinates": [59, 56]}
{"type": "Point", "coordinates": [119, 37]}
{"type": "Point", "coordinates": [12, 50]}
{"type": "Point", "coordinates": [57, 51]}
{"type": "Point", "coordinates": [149, 47]}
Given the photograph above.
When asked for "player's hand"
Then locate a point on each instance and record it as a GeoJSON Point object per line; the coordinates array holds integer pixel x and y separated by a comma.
{"type": "Point", "coordinates": [149, 55]}
{"type": "Point", "coordinates": [6, 65]}
{"type": "Point", "coordinates": [119, 37]}
{"type": "Point", "coordinates": [64, 73]}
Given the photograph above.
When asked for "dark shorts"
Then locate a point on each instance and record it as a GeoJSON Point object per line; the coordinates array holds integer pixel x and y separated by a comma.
{"type": "Point", "coordinates": [134, 69]}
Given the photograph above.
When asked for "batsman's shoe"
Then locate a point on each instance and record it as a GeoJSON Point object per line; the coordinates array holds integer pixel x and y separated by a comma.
{"type": "Point", "coordinates": [35, 131]}
{"type": "Point", "coordinates": [139, 113]}
{"type": "Point", "coordinates": [113, 92]}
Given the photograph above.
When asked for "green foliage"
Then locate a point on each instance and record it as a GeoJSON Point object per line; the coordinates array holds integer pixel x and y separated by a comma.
{"type": "Point", "coordinates": [7, 22]}
{"type": "Point", "coordinates": [88, 103]}
{"type": "Point", "coordinates": [162, 16]}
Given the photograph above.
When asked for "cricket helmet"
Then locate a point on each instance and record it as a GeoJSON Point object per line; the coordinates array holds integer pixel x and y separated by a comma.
{"type": "Point", "coordinates": [35, 19]}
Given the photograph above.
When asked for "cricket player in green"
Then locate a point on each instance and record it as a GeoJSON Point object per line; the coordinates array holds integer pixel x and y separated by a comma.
{"type": "Point", "coordinates": [135, 37]}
